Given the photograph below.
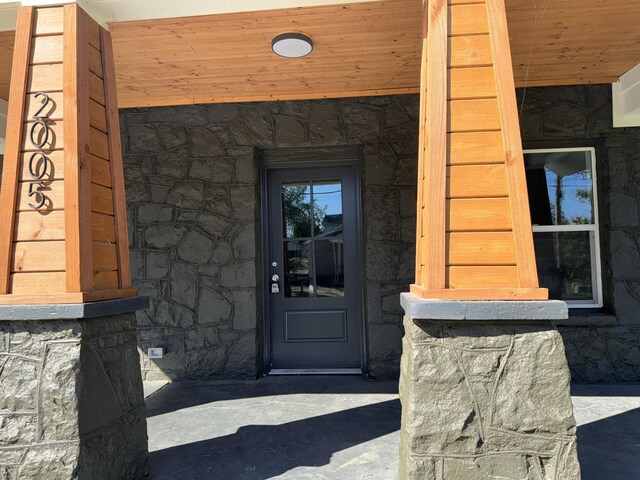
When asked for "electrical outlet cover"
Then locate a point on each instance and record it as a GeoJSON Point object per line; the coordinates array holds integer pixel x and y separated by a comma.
{"type": "Point", "coordinates": [157, 352]}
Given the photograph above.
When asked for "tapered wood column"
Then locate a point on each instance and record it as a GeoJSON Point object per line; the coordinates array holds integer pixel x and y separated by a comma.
{"type": "Point", "coordinates": [63, 230]}
{"type": "Point", "coordinates": [474, 237]}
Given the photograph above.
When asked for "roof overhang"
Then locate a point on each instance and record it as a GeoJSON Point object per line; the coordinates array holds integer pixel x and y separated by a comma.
{"type": "Point", "coordinates": [108, 11]}
{"type": "Point", "coordinates": [626, 99]}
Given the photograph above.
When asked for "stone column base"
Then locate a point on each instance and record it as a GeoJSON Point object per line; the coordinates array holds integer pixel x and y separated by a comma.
{"type": "Point", "coordinates": [71, 398]}
{"type": "Point", "coordinates": [485, 394]}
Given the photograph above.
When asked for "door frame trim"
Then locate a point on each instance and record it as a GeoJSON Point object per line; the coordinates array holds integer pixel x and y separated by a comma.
{"type": "Point", "coordinates": [313, 156]}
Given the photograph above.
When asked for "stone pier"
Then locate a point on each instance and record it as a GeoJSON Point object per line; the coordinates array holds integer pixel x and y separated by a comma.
{"type": "Point", "coordinates": [71, 399]}
{"type": "Point", "coordinates": [485, 394]}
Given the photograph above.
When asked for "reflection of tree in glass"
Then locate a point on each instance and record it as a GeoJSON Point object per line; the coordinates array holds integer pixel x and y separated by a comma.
{"type": "Point", "coordinates": [297, 208]}
{"type": "Point", "coordinates": [576, 260]}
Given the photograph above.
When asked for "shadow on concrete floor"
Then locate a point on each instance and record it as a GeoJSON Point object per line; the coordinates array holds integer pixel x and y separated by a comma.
{"type": "Point", "coordinates": [340, 428]}
{"type": "Point", "coordinates": [609, 449]}
{"type": "Point", "coordinates": [267, 451]}
{"type": "Point", "coordinates": [186, 394]}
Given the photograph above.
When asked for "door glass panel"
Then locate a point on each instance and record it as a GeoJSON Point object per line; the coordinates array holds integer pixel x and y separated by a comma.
{"type": "Point", "coordinates": [327, 206]}
{"type": "Point", "coordinates": [297, 268]}
{"type": "Point", "coordinates": [296, 208]}
{"type": "Point", "coordinates": [329, 263]}
{"type": "Point", "coordinates": [564, 264]}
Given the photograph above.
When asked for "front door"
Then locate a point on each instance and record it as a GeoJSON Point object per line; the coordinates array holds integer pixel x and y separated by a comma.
{"type": "Point", "coordinates": [313, 280]}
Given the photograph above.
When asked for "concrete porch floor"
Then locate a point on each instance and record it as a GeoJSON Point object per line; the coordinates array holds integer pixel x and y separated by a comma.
{"type": "Point", "coordinates": [335, 428]}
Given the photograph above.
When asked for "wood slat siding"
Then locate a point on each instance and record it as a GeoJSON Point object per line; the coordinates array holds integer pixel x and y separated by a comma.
{"type": "Point", "coordinates": [99, 143]}
{"type": "Point", "coordinates": [468, 19]}
{"type": "Point", "coordinates": [470, 51]}
{"type": "Point", "coordinates": [106, 280]}
{"type": "Point", "coordinates": [38, 257]}
{"type": "Point", "coordinates": [480, 248]}
{"type": "Point", "coordinates": [55, 166]}
{"type": "Point", "coordinates": [115, 158]}
{"type": "Point", "coordinates": [31, 225]}
{"type": "Point", "coordinates": [484, 276]}
{"type": "Point", "coordinates": [96, 88]}
{"type": "Point", "coordinates": [54, 191]}
{"type": "Point", "coordinates": [103, 227]}
{"type": "Point", "coordinates": [98, 117]}
{"type": "Point", "coordinates": [53, 110]}
{"type": "Point", "coordinates": [56, 137]}
{"type": "Point", "coordinates": [105, 257]}
{"type": "Point", "coordinates": [71, 249]}
{"type": "Point", "coordinates": [46, 49]}
{"type": "Point", "coordinates": [475, 148]}
{"type": "Point", "coordinates": [36, 283]}
{"type": "Point", "coordinates": [49, 21]}
{"type": "Point", "coordinates": [477, 181]}
{"type": "Point", "coordinates": [95, 62]}
{"type": "Point", "coordinates": [486, 252]}
{"type": "Point", "coordinates": [474, 214]}
{"type": "Point", "coordinates": [45, 78]}
{"type": "Point", "coordinates": [471, 82]}
{"type": "Point", "coordinates": [100, 171]}
{"type": "Point", "coordinates": [471, 115]}
{"type": "Point", "coordinates": [101, 199]}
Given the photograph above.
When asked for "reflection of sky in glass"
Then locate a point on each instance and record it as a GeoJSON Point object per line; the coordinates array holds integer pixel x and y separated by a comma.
{"type": "Point", "coordinates": [328, 196]}
{"type": "Point", "coordinates": [574, 193]}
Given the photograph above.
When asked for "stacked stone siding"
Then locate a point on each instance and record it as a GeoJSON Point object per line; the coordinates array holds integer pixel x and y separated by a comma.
{"type": "Point", "coordinates": [193, 197]}
{"type": "Point", "coordinates": [581, 116]}
{"type": "Point", "coordinates": [71, 401]}
{"type": "Point", "coordinates": [193, 207]}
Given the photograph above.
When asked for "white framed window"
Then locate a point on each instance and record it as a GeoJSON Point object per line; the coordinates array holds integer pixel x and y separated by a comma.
{"type": "Point", "coordinates": [563, 201]}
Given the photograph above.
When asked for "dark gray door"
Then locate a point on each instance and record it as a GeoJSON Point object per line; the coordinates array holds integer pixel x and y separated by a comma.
{"type": "Point", "coordinates": [313, 283]}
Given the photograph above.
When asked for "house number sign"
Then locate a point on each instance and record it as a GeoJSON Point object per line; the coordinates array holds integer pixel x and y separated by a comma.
{"type": "Point", "coordinates": [39, 163]}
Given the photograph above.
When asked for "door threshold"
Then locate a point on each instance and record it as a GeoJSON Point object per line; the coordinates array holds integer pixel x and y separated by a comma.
{"type": "Point", "coordinates": [315, 371]}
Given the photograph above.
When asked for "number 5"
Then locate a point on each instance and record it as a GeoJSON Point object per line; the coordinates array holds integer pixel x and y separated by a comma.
{"type": "Point", "coordinates": [39, 195]}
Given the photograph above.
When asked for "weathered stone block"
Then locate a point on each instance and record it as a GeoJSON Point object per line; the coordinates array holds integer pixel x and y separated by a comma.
{"type": "Point", "coordinates": [195, 248]}
{"type": "Point", "coordinates": [85, 415]}
{"type": "Point", "coordinates": [485, 400]}
{"type": "Point", "coordinates": [189, 195]}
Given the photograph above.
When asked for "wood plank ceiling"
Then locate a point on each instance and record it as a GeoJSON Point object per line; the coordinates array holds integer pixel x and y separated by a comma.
{"type": "Point", "coordinates": [368, 48]}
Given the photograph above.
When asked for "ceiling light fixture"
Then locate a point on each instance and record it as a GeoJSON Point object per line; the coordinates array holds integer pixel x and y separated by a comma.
{"type": "Point", "coordinates": [292, 45]}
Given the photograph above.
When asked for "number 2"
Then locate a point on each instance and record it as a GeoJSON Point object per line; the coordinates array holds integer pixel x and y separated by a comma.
{"type": "Point", "coordinates": [45, 102]}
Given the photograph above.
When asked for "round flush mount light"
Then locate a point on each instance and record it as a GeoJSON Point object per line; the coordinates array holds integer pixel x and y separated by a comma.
{"type": "Point", "coordinates": [292, 45]}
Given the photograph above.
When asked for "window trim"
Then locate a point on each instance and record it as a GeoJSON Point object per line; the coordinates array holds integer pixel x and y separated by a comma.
{"type": "Point", "coordinates": [594, 229]}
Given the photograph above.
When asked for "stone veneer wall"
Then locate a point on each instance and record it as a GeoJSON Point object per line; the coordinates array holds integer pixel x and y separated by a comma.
{"type": "Point", "coordinates": [71, 400]}
{"type": "Point", "coordinates": [192, 193]}
{"type": "Point", "coordinates": [579, 116]}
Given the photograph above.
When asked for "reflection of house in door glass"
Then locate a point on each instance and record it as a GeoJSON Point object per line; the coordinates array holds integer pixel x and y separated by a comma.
{"type": "Point", "coordinates": [313, 231]}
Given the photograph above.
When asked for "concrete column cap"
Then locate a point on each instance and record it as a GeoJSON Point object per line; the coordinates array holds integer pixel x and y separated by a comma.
{"type": "Point", "coordinates": [428, 309]}
{"type": "Point", "coordinates": [73, 310]}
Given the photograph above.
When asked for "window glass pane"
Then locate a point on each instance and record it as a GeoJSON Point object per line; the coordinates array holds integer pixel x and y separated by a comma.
{"type": "Point", "coordinates": [327, 204]}
{"type": "Point", "coordinates": [560, 188]}
{"type": "Point", "coordinates": [564, 264]}
{"type": "Point", "coordinates": [297, 265]}
{"type": "Point", "coordinates": [329, 268]}
{"type": "Point", "coordinates": [296, 208]}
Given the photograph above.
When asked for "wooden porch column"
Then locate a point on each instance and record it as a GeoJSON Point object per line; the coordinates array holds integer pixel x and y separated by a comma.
{"type": "Point", "coordinates": [474, 237]}
{"type": "Point", "coordinates": [63, 229]}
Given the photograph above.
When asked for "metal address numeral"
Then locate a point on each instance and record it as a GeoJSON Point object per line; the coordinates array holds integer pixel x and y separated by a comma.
{"type": "Point", "coordinates": [43, 141]}
{"type": "Point", "coordinates": [39, 195]}
{"type": "Point", "coordinates": [45, 102]}
{"type": "Point", "coordinates": [39, 162]}
{"type": "Point", "coordinates": [38, 169]}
